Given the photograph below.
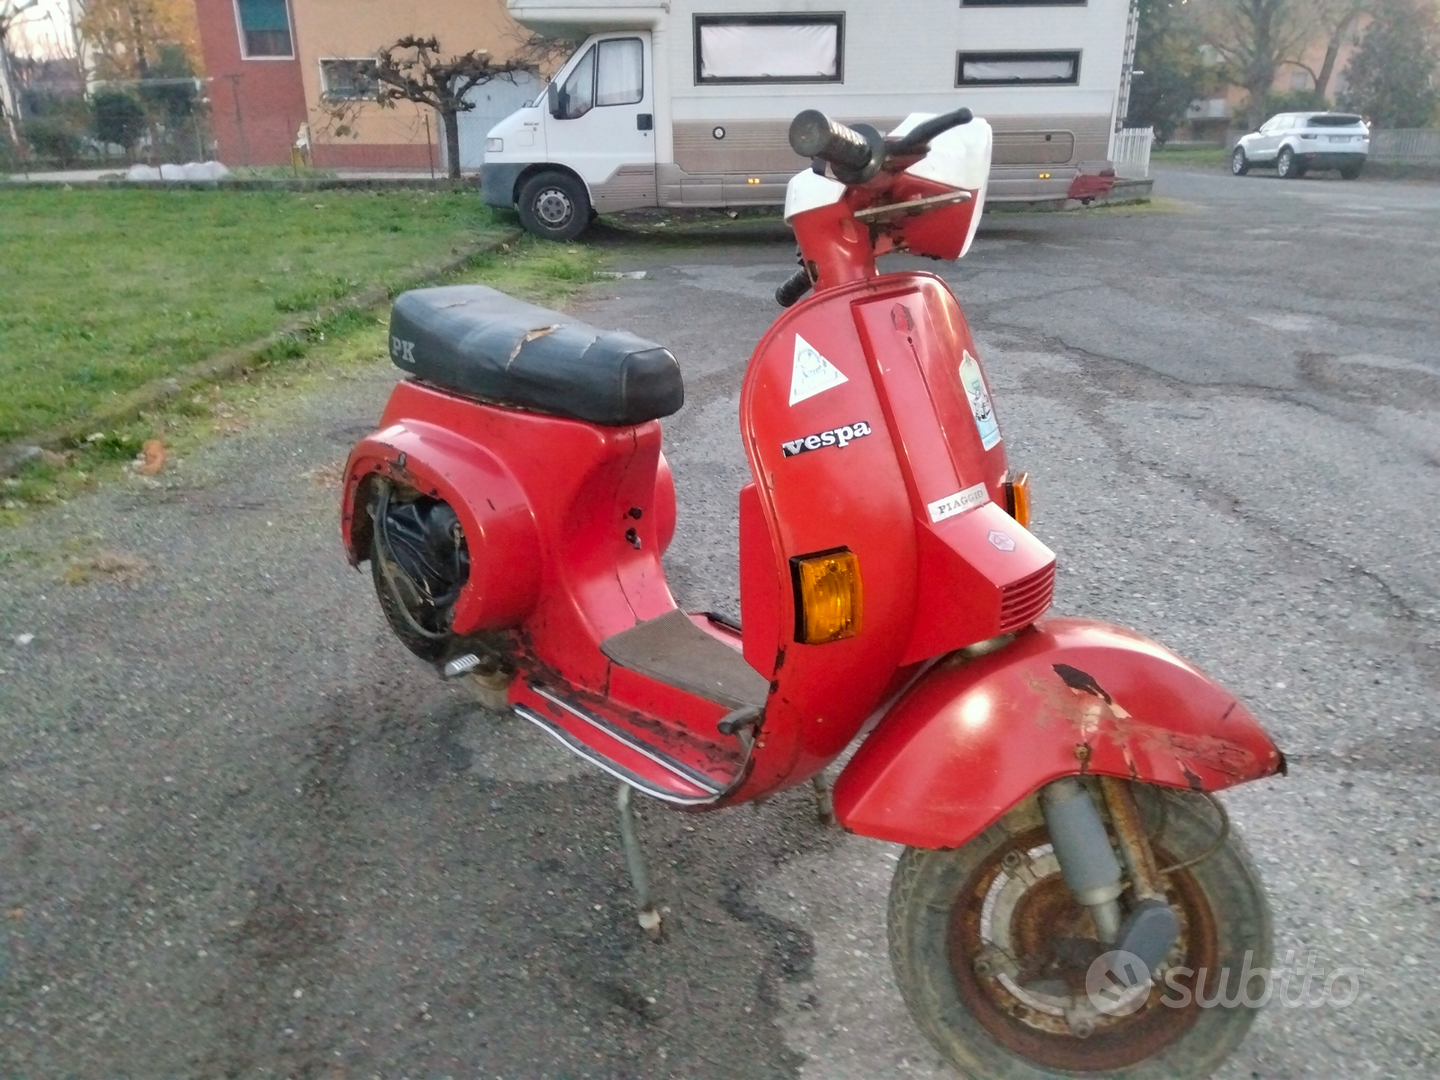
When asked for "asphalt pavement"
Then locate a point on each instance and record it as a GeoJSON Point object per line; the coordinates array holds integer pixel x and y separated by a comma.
{"type": "Point", "coordinates": [243, 833]}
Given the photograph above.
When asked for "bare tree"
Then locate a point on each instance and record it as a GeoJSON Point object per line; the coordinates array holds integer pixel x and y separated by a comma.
{"type": "Point", "coordinates": [413, 69]}
{"type": "Point", "coordinates": [1330, 20]}
{"type": "Point", "coordinates": [12, 13]}
{"type": "Point", "coordinates": [1254, 38]}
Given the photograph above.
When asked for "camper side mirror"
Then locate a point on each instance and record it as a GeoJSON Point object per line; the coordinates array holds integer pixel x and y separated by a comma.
{"type": "Point", "coordinates": [555, 99]}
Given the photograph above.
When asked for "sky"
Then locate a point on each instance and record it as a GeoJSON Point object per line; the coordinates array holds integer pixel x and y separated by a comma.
{"type": "Point", "coordinates": [37, 35]}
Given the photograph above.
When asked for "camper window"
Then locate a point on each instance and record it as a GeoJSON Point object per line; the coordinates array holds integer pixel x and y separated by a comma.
{"type": "Point", "coordinates": [619, 79]}
{"type": "Point", "coordinates": [769, 48]}
{"type": "Point", "coordinates": [1018, 69]}
{"type": "Point", "coordinates": [577, 96]}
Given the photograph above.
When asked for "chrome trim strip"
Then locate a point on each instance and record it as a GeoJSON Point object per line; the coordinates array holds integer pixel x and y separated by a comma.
{"type": "Point", "coordinates": [621, 773]}
{"type": "Point", "coordinates": [620, 735]}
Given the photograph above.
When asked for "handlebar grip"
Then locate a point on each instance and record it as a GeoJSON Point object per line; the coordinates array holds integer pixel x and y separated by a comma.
{"type": "Point", "coordinates": [923, 132]}
{"type": "Point", "coordinates": [813, 134]}
{"type": "Point", "coordinates": [793, 288]}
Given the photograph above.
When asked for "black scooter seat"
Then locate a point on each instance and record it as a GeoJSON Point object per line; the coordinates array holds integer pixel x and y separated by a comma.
{"type": "Point", "coordinates": [481, 343]}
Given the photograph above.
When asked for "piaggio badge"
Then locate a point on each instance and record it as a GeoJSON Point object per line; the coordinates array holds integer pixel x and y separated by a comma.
{"type": "Point", "coordinates": [840, 436]}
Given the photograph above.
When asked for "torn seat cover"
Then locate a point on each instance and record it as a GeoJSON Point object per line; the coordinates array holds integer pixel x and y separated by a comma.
{"type": "Point", "coordinates": [481, 343]}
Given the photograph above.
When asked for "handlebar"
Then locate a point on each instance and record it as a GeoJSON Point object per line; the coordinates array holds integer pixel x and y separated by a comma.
{"type": "Point", "coordinates": [857, 153]}
{"type": "Point", "coordinates": [793, 288]}
{"type": "Point", "coordinates": [921, 134]}
{"type": "Point", "coordinates": [813, 134]}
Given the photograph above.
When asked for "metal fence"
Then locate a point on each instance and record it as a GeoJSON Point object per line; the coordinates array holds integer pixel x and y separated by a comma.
{"type": "Point", "coordinates": [1130, 152]}
{"type": "Point", "coordinates": [1414, 146]}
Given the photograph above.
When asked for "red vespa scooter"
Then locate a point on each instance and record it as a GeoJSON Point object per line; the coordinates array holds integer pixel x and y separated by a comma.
{"type": "Point", "coordinates": [1067, 874]}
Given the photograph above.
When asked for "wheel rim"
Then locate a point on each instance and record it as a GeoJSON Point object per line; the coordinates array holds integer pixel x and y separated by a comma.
{"type": "Point", "coordinates": [1020, 948]}
{"type": "Point", "coordinates": [1237, 161]}
{"type": "Point", "coordinates": [1283, 166]}
{"type": "Point", "coordinates": [553, 207]}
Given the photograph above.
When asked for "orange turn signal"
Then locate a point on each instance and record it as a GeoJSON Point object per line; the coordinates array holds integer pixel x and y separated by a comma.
{"type": "Point", "coordinates": [827, 596]}
{"type": "Point", "coordinates": [1017, 499]}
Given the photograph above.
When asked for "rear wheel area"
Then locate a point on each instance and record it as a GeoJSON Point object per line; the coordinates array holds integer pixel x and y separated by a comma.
{"type": "Point", "coordinates": [1351, 172]}
{"type": "Point", "coordinates": [419, 562]}
{"type": "Point", "coordinates": [1239, 163]}
{"type": "Point", "coordinates": [554, 206]}
{"type": "Point", "coordinates": [1286, 167]}
{"type": "Point", "coordinates": [992, 953]}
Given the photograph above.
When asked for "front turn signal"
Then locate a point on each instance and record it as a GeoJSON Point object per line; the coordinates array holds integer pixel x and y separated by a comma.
{"type": "Point", "coordinates": [827, 596]}
{"type": "Point", "coordinates": [1017, 499]}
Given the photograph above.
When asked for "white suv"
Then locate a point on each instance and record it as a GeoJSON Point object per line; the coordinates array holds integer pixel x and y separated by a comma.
{"type": "Point", "coordinates": [1297, 142]}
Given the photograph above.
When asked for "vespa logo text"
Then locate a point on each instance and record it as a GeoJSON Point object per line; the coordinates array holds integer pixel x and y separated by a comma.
{"type": "Point", "coordinates": [840, 436]}
{"type": "Point", "coordinates": [402, 351]}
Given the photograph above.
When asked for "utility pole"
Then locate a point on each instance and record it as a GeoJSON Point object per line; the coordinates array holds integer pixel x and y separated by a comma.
{"type": "Point", "coordinates": [239, 119]}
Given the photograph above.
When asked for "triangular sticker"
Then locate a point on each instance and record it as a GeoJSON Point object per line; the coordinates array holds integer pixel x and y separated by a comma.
{"type": "Point", "coordinates": [812, 373]}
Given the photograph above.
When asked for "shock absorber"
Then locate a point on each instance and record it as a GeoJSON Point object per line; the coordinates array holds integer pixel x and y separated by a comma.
{"type": "Point", "coordinates": [1082, 847]}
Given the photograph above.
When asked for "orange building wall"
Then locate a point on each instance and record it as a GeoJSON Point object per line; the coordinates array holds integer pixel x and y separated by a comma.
{"type": "Point", "coordinates": [352, 29]}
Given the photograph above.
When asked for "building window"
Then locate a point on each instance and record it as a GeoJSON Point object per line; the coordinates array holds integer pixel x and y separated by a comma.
{"type": "Point", "coordinates": [349, 80]}
{"type": "Point", "coordinates": [1018, 69]}
{"type": "Point", "coordinates": [264, 28]}
{"type": "Point", "coordinates": [769, 48]}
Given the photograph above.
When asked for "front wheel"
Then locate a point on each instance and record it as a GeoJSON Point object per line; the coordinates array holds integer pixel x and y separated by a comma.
{"type": "Point", "coordinates": [992, 953]}
{"type": "Point", "coordinates": [554, 206]}
{"type": "Point", "coordinates": [1239, 163]}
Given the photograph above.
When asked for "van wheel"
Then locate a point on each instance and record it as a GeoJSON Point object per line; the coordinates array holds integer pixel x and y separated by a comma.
{"type": "Point", "coordinates": [1285, 166]}
{"type": "Point", "coordinates": [1239, 164]}
{"type": "Point", "coordinates": [554, 206]}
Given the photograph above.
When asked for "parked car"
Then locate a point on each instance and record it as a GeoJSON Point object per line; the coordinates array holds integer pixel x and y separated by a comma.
{"type": "Point", "coordinates": [1295, 143]}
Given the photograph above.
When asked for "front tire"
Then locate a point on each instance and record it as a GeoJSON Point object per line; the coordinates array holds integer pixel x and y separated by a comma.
{"type": "Point", "coordinates": [1286, 166]}
{"type": "Point", "coordinates": [554, 206]}
{"type": "Point", "coordinates": [1239, 163]}
{"type": "Point", "coordinates": [1005, 884]}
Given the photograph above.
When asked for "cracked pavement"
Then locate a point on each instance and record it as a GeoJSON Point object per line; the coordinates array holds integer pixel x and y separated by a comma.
{"type": "Point", "coordinates": [242, 833]}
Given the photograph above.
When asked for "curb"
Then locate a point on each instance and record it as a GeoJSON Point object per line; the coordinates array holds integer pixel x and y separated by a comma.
{"type": "Point", "coordinates": [228, 363]}
{"type": "Point", "coordinates": [1124, 193]}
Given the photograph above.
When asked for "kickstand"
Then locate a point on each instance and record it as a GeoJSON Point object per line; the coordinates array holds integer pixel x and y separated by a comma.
{"type": "Point", "coordinates": [635, 859]}
{"type": "Point", "coordinates": [824, 803]}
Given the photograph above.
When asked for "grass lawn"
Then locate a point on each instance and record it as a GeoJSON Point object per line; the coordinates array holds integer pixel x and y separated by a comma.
{"type": "Point", "coordinates": [540, 272]}
{"type": "Point", "coordinates": [1190, 155]}
{"type": "Point", "coordinates": [102, 290]}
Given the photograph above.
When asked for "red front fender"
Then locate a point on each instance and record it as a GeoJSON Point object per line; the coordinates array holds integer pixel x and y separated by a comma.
{"type": "Point", "coordinates": [1068, 696]}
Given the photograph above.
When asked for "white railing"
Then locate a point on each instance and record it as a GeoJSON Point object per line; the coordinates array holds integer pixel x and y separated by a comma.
{"type": "Point", "coordinates": [1416, 146]}
{"type": "Point", "coordinates": [1130, 152]}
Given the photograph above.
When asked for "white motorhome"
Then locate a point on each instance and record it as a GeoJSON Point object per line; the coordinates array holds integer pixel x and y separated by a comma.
{"type": "Point", "coordinates": [687, 103]}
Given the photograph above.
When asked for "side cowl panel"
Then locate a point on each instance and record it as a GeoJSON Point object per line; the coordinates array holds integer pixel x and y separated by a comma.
{"type": "Point", "coordinates": [1067, 697]}
{"type": "Point", "coordinates": [495, 517]}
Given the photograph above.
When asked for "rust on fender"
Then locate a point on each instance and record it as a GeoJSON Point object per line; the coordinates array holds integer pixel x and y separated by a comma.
{"type": "Point", "coordinates": [1067, 697]}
